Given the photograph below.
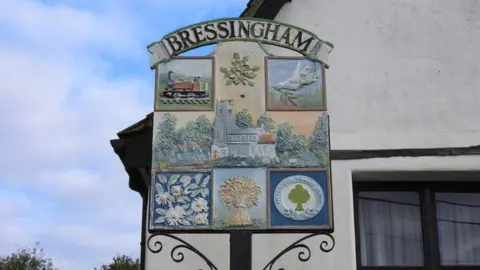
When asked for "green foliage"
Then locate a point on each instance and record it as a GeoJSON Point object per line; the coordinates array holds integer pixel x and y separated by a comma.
{"type": "Point", "coordinates": [267, 122]}
{"type": "Point", "coordinates": [179, 136]}
{"type": "Point", "coordinates": [244, 119]}
{"type": "Point", "coordinates": [165, 137]}
{"type": "Point", "coordinates": [289, 142]}
{"type": "Point", "coordinates": [35, 259]}
{"type": "Point", "coordinates": [320, 141]}
{"type": "Point", "coordinates": [284, 135]}
{"type": "Point", "coordinates": [27, 259]}
{"type": "Point", "coordinates": [240, 72]}
{"type": "Point", "coordinates": [199, 131]}
{"type": "Point", "coordinates": [299, 195]}
{"type": "Point", "coordinates": [204, 130]}
{"type": "Point", "coordinates": [121, 262]}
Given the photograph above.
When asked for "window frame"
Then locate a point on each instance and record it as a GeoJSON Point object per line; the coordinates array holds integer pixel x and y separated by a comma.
{"type": "Point", "coordinates": [426, 192]}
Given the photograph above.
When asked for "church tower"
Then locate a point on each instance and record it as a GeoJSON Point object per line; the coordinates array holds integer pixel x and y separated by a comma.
{"type": "Point", "coordinates": [219, 126]}
{"type": "Point", "coordinates": [225, 121]}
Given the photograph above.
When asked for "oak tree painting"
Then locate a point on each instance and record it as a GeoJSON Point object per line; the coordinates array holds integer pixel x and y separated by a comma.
{"type": "Point", "coordinates": [299, 195]}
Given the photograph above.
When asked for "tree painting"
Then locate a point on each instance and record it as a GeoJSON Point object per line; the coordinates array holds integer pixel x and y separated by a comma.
{"type": "Point", "coordinates": [284, 137]}
{"type": "Point", "coordinates": [299, 195]}
{"type": "Point", "coordinates": [189, 144]}
{"type": "Point", "coordinates": [204, 130]}
{"type": "Point", "coordinates": [240, 193]}
{"type": "Point", "coordinates": [199, 131]}
{"type": "Point", "coordinates": [244, 119]}
{"type": "Point", "coordinates": [320, 140]}
{"type": "Point", "coordinates": [165, 137]}
{"type": "Point", "coordinates": [267, 121]}
{"type": "Point", "coordinates": [287, 142]}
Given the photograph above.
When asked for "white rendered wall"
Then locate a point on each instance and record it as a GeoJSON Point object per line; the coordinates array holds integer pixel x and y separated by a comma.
{"type": "Point", "coordinates": [404, 74]}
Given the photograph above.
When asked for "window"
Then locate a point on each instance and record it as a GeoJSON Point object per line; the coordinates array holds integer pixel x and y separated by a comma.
{"type": "Point", "coordinates": [417, 225]}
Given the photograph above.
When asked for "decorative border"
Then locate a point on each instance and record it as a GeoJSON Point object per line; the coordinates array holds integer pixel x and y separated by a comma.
{"type": "Point", "coordinates": [156, 98]}
{"type": "Point", "coordinates": [151, 201]}
{"type": "Point", "coordinates": [328, 198]}
{"type": "Point", "coordinates": [267, 109]}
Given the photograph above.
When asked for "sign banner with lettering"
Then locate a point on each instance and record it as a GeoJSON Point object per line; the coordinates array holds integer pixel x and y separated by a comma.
{"type": "Point", "coordinates": [240, 29]}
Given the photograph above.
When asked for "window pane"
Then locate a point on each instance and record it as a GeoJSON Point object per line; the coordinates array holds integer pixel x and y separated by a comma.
{"type": "Point", "coordinates": [458, 219]}
{"type": "Point", "coordinates": [390, 229]}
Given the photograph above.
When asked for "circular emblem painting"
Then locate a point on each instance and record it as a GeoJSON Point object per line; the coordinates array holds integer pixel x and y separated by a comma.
{"type": "Point", "coordinates": [299, 197]}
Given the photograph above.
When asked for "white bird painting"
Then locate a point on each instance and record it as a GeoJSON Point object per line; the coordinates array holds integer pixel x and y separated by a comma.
{"type": "Point", "coordinates": [300, 77]}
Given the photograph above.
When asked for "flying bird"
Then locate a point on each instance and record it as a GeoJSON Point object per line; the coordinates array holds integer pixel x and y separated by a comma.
{"type": "Point", "coordinates": [300, 77]}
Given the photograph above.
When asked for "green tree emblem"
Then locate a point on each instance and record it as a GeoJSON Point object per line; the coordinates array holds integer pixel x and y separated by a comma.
{"type": "Point", "coordinates": [299, 195]}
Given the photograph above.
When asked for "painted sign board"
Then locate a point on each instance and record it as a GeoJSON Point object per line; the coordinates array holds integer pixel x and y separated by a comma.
{"type": "Point", "coordinates": [241, 137]}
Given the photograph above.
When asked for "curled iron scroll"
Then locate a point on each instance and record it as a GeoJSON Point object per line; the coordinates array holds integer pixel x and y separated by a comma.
{"type": "Point", "coordinates": [176, 254]}
{"type": "Point", "coordinates": [304, 253]}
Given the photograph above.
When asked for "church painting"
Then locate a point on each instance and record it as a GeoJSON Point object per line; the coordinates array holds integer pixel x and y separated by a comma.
{"type": "Point", "coordinates": [230, 138]}
{"type": "Point", "coordinates": [185, 84]}
{"type": "Point", "coordinates": [237, 139]}
{"type": "Point", "coordinates": [294, 84]}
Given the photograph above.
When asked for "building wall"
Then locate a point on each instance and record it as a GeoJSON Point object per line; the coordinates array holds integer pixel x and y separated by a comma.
{"type": "Point", "coordinates": [404, 74]}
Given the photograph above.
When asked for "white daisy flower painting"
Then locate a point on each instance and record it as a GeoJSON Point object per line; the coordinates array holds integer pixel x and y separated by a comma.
{"type": "Point", "coordinates": [181, 200]}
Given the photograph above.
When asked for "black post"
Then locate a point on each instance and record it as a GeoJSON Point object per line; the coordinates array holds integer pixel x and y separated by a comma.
{"type": "Point", "coordinates": [144, 232]}
{"type": "Point", "coordinates": [240, 250]}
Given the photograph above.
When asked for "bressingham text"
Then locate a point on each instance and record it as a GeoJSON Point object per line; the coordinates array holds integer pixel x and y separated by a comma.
{"type": "Point", "coordinates": [269, 32]}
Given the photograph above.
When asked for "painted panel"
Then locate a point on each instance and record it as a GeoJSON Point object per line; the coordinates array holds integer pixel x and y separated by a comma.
{"type": "Point", "coordinates": [299, 199]}
{"type": "Point", "coordinates": [185, 84]}
{"type": "Point", "coordinates": [233, 139]}
{"type": "Point", "coordinates": [239, 198]}
{"type": "Point", "coordinates": [181, 200]}
{"type": "Point", "coordinates": [294, 83]}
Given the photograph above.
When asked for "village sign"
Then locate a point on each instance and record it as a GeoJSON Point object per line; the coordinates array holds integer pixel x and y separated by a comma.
{"type": "Point", "coordinates": [241, 138]}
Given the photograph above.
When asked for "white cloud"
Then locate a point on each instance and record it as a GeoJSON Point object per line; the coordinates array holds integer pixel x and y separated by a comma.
{"type": "Point", "coordinates": [73, 74]}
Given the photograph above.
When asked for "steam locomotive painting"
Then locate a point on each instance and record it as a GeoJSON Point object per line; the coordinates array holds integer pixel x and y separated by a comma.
{"type": "Point", "coordinates": [185, 84]}
{"type": "Point", "coordinates": [183, 88]}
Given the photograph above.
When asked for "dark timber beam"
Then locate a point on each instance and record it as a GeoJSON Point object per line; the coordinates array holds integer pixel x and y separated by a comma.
{"type": "Point", "coordinates": [265, 9]}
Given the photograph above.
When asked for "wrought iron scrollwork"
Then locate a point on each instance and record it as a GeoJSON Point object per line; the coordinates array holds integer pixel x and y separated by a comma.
{"type": "Point", "coordinates": [176, 254]}
{"type": "Point", "coordinates": [304, 253]}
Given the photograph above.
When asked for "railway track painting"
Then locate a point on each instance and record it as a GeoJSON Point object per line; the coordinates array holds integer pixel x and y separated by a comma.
{"type": "Point", "coordinates": [186, 101]}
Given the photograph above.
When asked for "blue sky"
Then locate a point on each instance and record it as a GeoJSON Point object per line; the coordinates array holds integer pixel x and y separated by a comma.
{"type": "Point", "coordinates": [73, 73]}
